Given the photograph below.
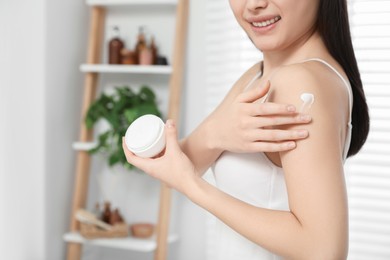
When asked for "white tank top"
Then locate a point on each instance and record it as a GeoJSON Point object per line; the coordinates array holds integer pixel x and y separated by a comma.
{"type": "Point", "coordinates": [254, 179]}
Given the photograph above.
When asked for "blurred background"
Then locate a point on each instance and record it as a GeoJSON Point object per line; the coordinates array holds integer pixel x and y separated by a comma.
{"type": "Point", "coordinates": [42, 45]}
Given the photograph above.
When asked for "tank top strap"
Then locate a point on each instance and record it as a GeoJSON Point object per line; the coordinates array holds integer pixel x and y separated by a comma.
{"type": "Point", "coordinates": [346, 83]}
{"type": "Point", "coordinates": [257, 76]}
{"type": "Point", "coordinates": [350, 98]}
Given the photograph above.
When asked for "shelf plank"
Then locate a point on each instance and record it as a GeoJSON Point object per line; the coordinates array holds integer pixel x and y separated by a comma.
{"type": "Point", "coordinates": [131, 2]}
{"type": "Point", "coordinates": [134, 69]}
{"type": "Point", "coordinates": [127, 243]}
{"type": "Point", "coordinates": [83, 146]}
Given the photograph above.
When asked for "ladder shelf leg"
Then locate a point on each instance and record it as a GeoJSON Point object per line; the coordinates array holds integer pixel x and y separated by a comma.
{"type": "Point", "coordinates": [83, 158]}
{"type": "Point", "coordinates": [173, 113]}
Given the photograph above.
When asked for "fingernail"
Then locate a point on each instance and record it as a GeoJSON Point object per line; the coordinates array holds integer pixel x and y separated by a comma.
{"type": "Point", "coordinates": [290, 145]}
{"type": "Point", "coordinates": [291, 108]}
{"type": "Point", "coordinates": [169, 123]}
{"type": "Point", "coordinates": [305, 117]}
{"type": "Point", "coordinates": [302, 133]}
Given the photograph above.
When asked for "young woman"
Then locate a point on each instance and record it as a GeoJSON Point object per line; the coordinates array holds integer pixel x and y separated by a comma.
{"type": "Point", "coordinates": [274, 202]}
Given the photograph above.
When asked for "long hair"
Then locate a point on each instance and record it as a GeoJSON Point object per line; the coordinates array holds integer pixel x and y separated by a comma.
{"type": "Point", "coordinates": [333, 26]}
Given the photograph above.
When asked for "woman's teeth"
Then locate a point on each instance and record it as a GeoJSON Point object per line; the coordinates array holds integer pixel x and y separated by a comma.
{"type": "Point", "coordinates": [266, 23]}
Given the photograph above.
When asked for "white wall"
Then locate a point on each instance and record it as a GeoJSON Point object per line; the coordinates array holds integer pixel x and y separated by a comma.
{"type": "Point", "coordinates": [22, 129]}
{"type": "Point", "coordinates": [42, 44]}
{"type": "Point", "coordinates": [66, 32]}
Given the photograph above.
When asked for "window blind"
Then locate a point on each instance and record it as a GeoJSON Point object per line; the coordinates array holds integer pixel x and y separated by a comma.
{"type": "Point", "coordinates": [230, 53]}
{"type": "Point", "coordinates": [368, 173]}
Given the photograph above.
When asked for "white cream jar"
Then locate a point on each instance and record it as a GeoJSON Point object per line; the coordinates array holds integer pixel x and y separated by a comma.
{"type": "Point", "coordinates": [145, 137]}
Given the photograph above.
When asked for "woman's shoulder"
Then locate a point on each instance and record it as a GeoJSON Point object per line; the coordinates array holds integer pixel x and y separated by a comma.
{"type": "Point", "coordinates": [318, 77]}
{"type": "Point", "coordinates": [315, 74]}
{"type": "Point", "coordinates": [328, 88]}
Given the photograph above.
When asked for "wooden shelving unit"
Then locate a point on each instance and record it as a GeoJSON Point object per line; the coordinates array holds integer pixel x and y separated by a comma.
{"type": "Point", "coordinates": [128, 243]}
{"type": "Point", "coordinates": [132, 2]}
{"type": "Point", "coordinates": [92, 69]}
{"type": "Point", "coordinates": [83, 146]}
{"type": "Point", "coordinates": [133, 69]}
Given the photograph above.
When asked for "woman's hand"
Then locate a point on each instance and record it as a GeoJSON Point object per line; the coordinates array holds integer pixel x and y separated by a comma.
{"type": "Point", "coordinates": [245, 126]}
{"type": "Point", "coordinates": [173, 167]}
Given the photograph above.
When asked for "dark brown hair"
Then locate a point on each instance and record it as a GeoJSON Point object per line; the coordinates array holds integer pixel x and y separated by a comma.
{"type": "Point", "coordinates": [333, 25]}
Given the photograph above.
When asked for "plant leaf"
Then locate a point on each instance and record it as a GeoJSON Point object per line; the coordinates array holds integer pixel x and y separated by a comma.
{"type": "Point", "coordinates": [119, 109]}
{"type": "Point", "coordinates": [146, 94]}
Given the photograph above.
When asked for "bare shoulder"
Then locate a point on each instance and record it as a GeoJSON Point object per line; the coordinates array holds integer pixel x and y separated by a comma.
{"type": "Point", "coordinates": [329, 90]}
{"type": "Point", "coordinates": [329, 112]}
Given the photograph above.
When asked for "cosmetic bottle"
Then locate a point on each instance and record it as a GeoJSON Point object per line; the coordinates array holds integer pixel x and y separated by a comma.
{"type": "Point", "coordinates": [145, 137]}
{"type": "Point", "coordinates": [115, 217]}
{"type": "Point", "coordinates": [146, 57]}
{"type": "Point", "coordinates": [114, 47]}
{"type": "Point", "coordinates": [141, 44]}
{"type": "Point", "coordinates": [106, 215]}
{"type": "Point", "coordinates": [154, 50]}
{"type": "Point", "coordinates": [128, 57]}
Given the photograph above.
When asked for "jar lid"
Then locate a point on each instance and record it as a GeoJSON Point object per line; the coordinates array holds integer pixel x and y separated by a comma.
{"type": "Point", "coordinates": [143, 132]}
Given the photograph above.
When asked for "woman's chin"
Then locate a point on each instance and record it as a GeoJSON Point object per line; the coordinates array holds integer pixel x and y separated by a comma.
{"type": "Point", "coordinates": [265, 46]}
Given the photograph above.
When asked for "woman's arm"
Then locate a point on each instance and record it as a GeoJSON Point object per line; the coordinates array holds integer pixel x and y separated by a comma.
{"type": "Point", "coordinates": [237, 125]}
{"type": "Point", "coordinates": [314, 171]}
{"type": "Point", "coordinates": [316, 227]}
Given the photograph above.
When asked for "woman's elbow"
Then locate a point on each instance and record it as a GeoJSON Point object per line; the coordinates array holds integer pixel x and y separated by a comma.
{"type": "Point", "coordinates": [331, 249]}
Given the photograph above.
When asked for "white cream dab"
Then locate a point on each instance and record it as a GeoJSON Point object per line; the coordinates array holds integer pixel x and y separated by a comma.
{"type": "Point", "coordinates": [308, 100]}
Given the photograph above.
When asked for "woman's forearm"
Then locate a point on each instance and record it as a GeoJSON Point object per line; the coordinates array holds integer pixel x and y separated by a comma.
{"type": "Point", "coordinates": [277, 231]}
{"type": "Point", "coordinates": [200, 148]}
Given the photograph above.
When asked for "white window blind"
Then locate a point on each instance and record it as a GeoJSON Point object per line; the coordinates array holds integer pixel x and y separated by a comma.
{"type": "Point", "coordinates": [230, 53]}
{"type": "Point", "coordinates": [368, 173]}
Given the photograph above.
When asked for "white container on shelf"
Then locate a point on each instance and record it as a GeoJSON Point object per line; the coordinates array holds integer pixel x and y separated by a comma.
{"type": "Point", "coordinates": [145, 137]}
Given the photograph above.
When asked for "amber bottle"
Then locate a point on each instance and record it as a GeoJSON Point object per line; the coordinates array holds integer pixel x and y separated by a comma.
{"type": "Point", "coordinates": [141, 44]}
{"type": "Point", "coordinates": [114, 47]}
{"type": "Point", "coordinates": [116, 217]}
{"type": "Point", "coordinates": [154, 50]}
{"type": "Point", "coordinates": [106, 216]}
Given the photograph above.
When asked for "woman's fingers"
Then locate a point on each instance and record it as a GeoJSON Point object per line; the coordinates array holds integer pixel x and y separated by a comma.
{"type": "Point", "coordinates": [138, 162]}
{"type": "Point", "coordinates": [265, 121]}
{"type": "Point", "coordinates": [271, 147]}
{"type": "Point", "coordinates": [269, 108]}
{"type": "Point", "coordinates": [171, 135]}
{"type": "Point", "coordinates": [268, 121]}
{"type": "Point", "coordinates": [148, 164]}
{"type": "Point", "coordinates": [275, 135]}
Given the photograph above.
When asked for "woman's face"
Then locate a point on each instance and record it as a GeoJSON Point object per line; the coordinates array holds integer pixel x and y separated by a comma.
{"type": "Point", "coordinates": [276, 24]}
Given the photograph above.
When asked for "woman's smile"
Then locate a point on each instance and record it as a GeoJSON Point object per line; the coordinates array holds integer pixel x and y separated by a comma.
{"type": "Point", "coordinates": [263, 22]}
{"type": "Point", "coordinates": [274, 25]}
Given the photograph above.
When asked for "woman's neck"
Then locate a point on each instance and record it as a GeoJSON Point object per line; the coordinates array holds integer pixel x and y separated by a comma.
{"type": "Point", "coordinates": [311, 47]}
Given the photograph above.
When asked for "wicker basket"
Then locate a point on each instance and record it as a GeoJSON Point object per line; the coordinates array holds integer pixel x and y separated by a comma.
{"type": "Point", "coordinates": [91, 231]}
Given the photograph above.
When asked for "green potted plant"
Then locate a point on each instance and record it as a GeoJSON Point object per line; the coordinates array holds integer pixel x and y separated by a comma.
{"type": "Point", "coordinates": [119, 110]}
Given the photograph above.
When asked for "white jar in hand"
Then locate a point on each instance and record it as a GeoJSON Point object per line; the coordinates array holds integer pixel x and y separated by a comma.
{"type": "Point", "coordinates": [145, 137]}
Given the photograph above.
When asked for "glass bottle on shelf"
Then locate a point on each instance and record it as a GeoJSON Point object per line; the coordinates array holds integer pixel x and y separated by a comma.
{"type": "Point", "coordinates": [106, 216]}
{"type": "Point", "coordinates": [115, 46]}
{"type": "Point", "coordinates": [140, 45]}
{"type": "Point", "coordinates": [154, 51]}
